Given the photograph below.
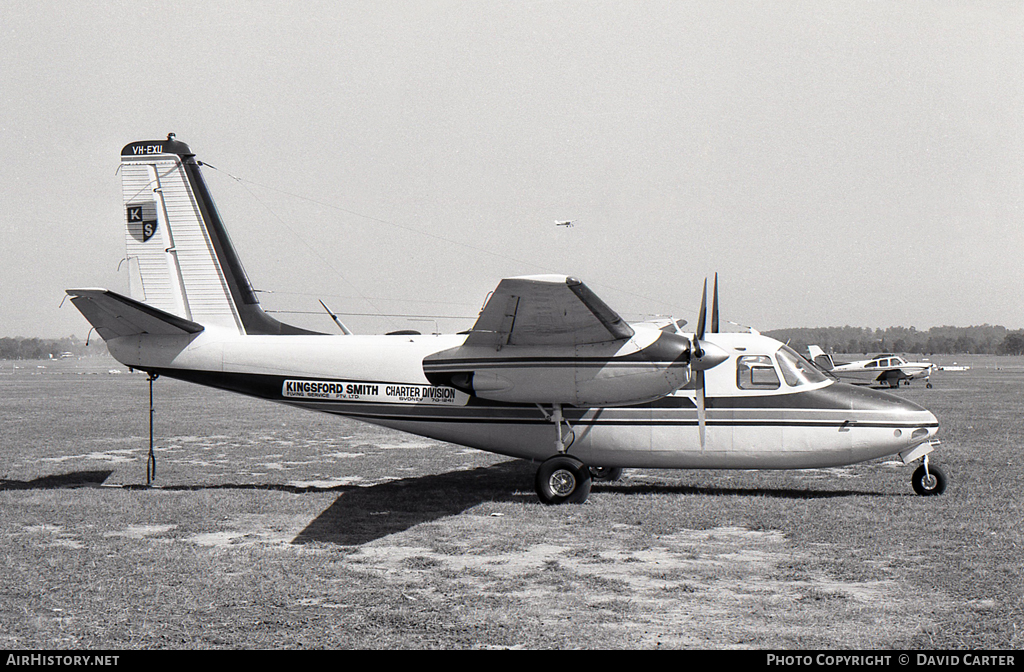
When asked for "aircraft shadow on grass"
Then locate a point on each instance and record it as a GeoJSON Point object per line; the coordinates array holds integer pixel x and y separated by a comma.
{"type": "Point", "coordinates": [75, 479]}
{"type": "Point", "coordinates": [362, 514]}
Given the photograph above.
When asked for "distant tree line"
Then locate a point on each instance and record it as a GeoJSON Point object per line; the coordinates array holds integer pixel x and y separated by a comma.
{"type": "Point", "coordinates": [982, 340]}
{"type": "Point", "coordinates": [45, 348]}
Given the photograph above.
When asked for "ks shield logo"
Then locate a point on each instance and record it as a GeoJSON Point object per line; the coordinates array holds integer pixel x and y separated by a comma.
{"type": "Point", "coordinates": [141, 220]}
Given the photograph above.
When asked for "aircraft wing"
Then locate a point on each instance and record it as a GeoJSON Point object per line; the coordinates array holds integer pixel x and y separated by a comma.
{"type": "Point", "coordinates": [546, 310]}
{"type": "Point", "coordinates": [115, 315]}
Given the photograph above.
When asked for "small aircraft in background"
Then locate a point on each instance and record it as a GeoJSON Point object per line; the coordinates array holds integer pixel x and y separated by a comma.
{"type": "Point", "coordinates": [567, 224]}
{"type": "Point", "coordinates": [884, 369]}
{"type": "Point", "coordinates": [548, 373]}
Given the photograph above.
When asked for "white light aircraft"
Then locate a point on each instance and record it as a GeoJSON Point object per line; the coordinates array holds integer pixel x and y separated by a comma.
{"type": "Point", "coordinates": [548, 373]}
{"type": "Point", "coordinates": [885, 369]}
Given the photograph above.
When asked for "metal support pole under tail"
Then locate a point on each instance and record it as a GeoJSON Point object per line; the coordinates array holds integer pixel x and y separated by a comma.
{"type": "Point", "coordinates": [151, 460]}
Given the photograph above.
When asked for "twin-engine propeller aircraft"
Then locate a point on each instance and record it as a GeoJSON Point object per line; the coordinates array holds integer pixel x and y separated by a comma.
{"type": "Point", "coordinates": [885, 369]}
{"type": "Point", "coordinates": [548, 373]}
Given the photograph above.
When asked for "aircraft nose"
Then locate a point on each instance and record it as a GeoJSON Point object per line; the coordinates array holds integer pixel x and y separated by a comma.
{"type": "Point", "coordinates": [916, 410]}
{"type": "Point", "coordinates": [927, 428]}
{"type": "Point", "coordinates": [933, 423]}
{"type": "Point", "coordinates": [879, 406]}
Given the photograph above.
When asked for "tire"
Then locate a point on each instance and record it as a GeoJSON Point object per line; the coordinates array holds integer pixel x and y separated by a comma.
{"type": "Point", "coordinates": [563, 480]}
{"type": "Point", "coordinates": [605, 474]}
{"type": "Point", "coordinates": [927, 483]}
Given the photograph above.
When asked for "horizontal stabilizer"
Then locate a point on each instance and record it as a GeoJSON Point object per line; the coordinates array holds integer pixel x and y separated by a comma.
{"type": "Point", "coordinates": [115, 316]}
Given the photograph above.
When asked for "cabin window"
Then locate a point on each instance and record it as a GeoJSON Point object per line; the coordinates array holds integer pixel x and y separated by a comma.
{"type": "Point", "coordinates": [871, 365]}
{"type": "Point", "coordinates": [797, 370]}
{"type": "Point", "coordinates": [756, 372]}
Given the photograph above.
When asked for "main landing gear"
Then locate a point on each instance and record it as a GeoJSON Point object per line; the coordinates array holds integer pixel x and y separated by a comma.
{"type": "Point", "coordinates": [564, 479]}
{"type": "Point", "coordinates": [605, 473]}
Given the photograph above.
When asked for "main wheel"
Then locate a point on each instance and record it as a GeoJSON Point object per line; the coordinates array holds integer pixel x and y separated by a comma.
{"type": "Point", "coordinates": [929, 482]}
{"type": "Point", "coordinates": [563, 480]}
{"type": "Point", "coordinates": [605, 474]}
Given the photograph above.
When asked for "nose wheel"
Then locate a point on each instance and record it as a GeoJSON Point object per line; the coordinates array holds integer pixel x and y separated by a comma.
{"type": "Point", "coordinates": [563, 480]}
{"type": "Point", "coordinates": [928, 480]}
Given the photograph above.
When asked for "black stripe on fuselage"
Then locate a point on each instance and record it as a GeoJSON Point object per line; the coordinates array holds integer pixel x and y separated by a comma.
{"type": "Point", "coordinates": [455, 366]}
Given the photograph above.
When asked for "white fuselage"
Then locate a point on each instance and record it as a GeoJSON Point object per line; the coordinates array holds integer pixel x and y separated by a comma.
{"type": "Point", "coordinates": [380, 380]}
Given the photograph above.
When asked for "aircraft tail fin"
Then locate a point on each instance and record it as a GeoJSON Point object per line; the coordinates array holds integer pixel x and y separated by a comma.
{"type": "Point", "coordinates": [820, 357]}
{"type": "Point", "coordinates": [180, 259]}
{"type": "Point", "coordinates": [115, 316]}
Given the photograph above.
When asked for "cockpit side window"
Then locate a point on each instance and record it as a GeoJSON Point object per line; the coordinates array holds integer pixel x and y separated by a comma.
{"type": "Point", "coordinates": [797, 370]}
{"type": "Point", "coordinates": [871, 365]}
{"type": "Point", "coordinates": [756, 372]}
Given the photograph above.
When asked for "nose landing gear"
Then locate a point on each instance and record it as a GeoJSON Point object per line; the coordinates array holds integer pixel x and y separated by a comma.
{"type": "Point", "coordinates": [928, 480]}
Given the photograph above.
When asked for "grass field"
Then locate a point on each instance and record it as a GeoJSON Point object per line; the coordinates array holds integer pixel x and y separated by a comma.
{"type": "Point", "coordinates": [277, 528]}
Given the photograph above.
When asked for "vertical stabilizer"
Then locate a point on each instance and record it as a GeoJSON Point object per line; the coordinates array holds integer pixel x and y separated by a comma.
{"type": "Point", "coordinates": [820, 357]}
{"type": "Point", "coordinates": [180, 258]}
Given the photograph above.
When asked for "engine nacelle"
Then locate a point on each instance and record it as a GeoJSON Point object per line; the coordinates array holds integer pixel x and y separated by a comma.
{"type": "Point", "coordinates": [598, 374]}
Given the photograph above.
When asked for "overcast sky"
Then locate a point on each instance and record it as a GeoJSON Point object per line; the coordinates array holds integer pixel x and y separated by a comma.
{"type": "Point", "coordinates": [837, 163]}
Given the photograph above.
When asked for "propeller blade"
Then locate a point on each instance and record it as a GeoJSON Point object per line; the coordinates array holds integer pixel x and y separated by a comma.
{"type": "Point", "coordinates": [703, 313]}
{"type": "Point", "coordinates": [698, 335]}
{"type": "Point", "coordinates": [705, 355]}
{"type": "Point", "coordinates": [701, 413]}
{"type": "Point", "coordinates": [714, 308]}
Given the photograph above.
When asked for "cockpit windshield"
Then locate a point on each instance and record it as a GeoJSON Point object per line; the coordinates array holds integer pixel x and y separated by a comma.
{"type": "Point", "coordinates": [796, 370]}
